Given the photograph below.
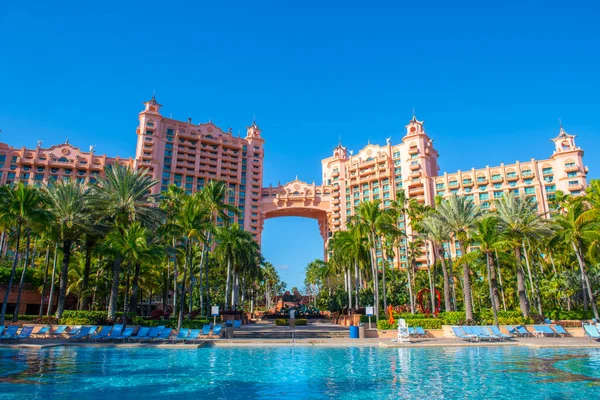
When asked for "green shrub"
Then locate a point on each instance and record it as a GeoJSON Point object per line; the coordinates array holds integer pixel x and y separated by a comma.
{"type": "Point", "coordinates": [426, 323]}
{"type": "Point", "coordinates": [76, 321]}
{"type": "Point", "coordinates": [281, 322]}
{"type": "Point", "coordinates": [31, 276]}
{"type": "Point", "coordinates": [301, 322]}
{"type": "Point", "coordinates": [384, 325]}
{"type": "Point", "coordinates": [94, 317]}
{"type": "Point", "coordinates": [453, 318]}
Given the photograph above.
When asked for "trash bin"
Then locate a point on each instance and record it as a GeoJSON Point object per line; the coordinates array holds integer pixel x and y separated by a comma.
{"type": "Point", "coordinates": [361, 330]}
{"type": "Point", "coordinates": [354, 332]}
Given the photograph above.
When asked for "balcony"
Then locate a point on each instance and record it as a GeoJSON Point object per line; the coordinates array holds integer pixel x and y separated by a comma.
{"type": "Point", "coordinates": [571, 168]}
{"type": "Point", "coordinates": [335, 174]}
{"type": "Point", "coordinates": [415, 166]}
{"type": "Point", "coordinates": [336, 222]}
{"type": "Point", "coordinates": [413, 150]}
{"type": "Point", "coordinates": [336, 208]}
{"type": "Point", "coordinates": [335, 201]}
{"type": "Point", "coordinates": [453, 184]}
{"type": "Point", "coordinates": [575, 186]}
{"type": "Point", "coordinates": [482, 180]}
{"type": "Point", "coordinates": [415, 174]}
{"type": "Point", "coordinates": [512, 177]}
{"type": "Point", "coordinates": [468, 183]}
{"type": "Point", "coordinates": [497, 179]}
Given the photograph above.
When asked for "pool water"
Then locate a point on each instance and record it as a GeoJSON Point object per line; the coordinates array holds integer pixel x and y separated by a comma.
{"type": "Point", "coordinates": [300, 373]}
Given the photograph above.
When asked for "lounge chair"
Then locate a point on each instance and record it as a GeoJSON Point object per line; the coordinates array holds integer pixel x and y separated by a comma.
{"type": "Point", "coordinates": [125, 335]}
{"type": "Point", "coordinates": [217, 331]}
{"type": "Point", "coordinates": [74, 330]}
{"type": "Point", "coordinates": [561, 331]}
{"type": "Point", "coordinates": [84, 332]}
{"type": "Point", "coordinates": [459, 334]}
{"type": "Point", "coordinates": [420, 331]}
{"type": "Point", "coordinates": [165, 334]}
{"type": "Point", "coordinates": [496, 331]}
{"type": "Point", "coordinates": [102, 333]}
{"type": "Point", "coordinates": [152, 334]}
{"type": "Point", "coordinates": [547, 321]}
{"type": "Point", "coordinates": [141, 334]}
{"type": "Point", "coordinates": [206, 330]}
{"type": "Point", "coordinates": [522, 331]}
{"type": "Point", "coordinates": [591, 332]}
{"type": "Point", "coordinates": [512, 330]}
{"type": "Point", "coordinates": [192, 336]}
{"type": "Point", "coordinates": [25, 333]}
{"type": "Point", "coordinates": [116, 331]}
{"type": "Point", "coordinates": [1, 330]}
{"type": "Point", "coordinates": [412, 331]}
{"type": "Point", "coordinates": [43, 331]}
{"type": "Point", "coordinates": [543, 330]}
{"type": "Point", "coordinates": [59, 331]}
{"type": "Point", "coordinates": [472, 330]}
{"type": "Point", "coordinates": [237, 323]}
{"type": "Point", "coordinates": [486, 333]}
{"type": "Point", "coordinates": [182, 335]}
{"type": "Point", "coordinates": [10, 333]}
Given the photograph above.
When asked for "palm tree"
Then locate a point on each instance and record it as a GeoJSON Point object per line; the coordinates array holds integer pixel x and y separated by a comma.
{"type": "Point", "coordinates": [19, 206]}
{"type": "Point", "coordinates": [460, 215]}
{"type": "Point", "coordinates": [438, 233]}
{"type": "Point", "coordinates": [68, 203]}
{"type": "Point", "coordinates": [120, 198]}
{"type": "Point", "coordinates": [579, 227]}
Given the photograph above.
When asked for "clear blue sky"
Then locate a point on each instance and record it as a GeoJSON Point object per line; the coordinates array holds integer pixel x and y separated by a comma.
{"type": "Point", "coordinates": [490, 80]}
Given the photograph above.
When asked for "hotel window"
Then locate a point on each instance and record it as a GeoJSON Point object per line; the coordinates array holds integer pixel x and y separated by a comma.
{"type": "Point", "coordinates": [548, 179]}
{"type": "Point", "coordinates": [573, 183]}
{"type": "Point", "coordinates": [515, 192]}
{"type": "Point", "coordinates": [356, 202]}
{"type": "Point", "coordinates": [397, 170]}
{"type": "Point", "coordinates": [484, 196]}
{"type": "Point", "coordinates": [497, 195]}
{"type": "Point", "coordinates": [396, 154]}
{"type": "Point", "coordinates": [484, 187]}
{"type": "Point", "coordinates": [547, 171]}
{"type": "Point", "coordinates": [439, 193]}
{"type": "Point", "coordinates": [469, 197]}
{"type": "Point", "coordinates": [41, 169]}
{"type": "Point", "coordinates": [576, 192]}
{"type": "Point", "coordinates": [439, 186]}
{"type": "Point", "coordinates": [496, 176]}
{"type": "Point", "coordinates": [551, 188]}
{"type": "Point", "coordinates": [468, 190]}
{"type": "Point", "coordinates": [2, 158]}
{"type": "Point", "coordinates": [571, 174]}
{"type": "Point", "coordinates": [454, 191]}
{"type": "Point", "coordinates": [453, 183]}
{"type": "Point", "coordinates": [526, 172]}
{"type": "Point", "coordinates": [347, 198]}
{"type": "Point", "coordinates": [386, 187]}
{"type": "Point", "coordinates": [528, 181]}
{"type": "Point", "coordinates": [25, 175]}
{"type": "Point", "coordinates": [375, 190]}
{"type": "Point", "coordinates": [348, 205]}
{"type": "Point", "coordinates": [366, 193]}
{"type": "Point", "coordinates": [399, 184]}
{"type": "Point", "coordinates": [386, 195]}
{"type": "Point", "coordinates": [529, 190]}
{"type": "Point", "coordinates": [485, 205]}
{"type": "Point", "coordinates": [467, 181]}
{"type": "Point", "coordinates": [481, 179]}
{"type": "Point", "coordinates": [397, 163]}
{"type": "Point", "coordinates": [68, 171]}
{"type": "Point", "coordinates": [512, 183]}
{"type": "Point", "coordinates": [386, 203]}
{"type": "Point", "coordinates": [511, 175]}
{"type": "Point", "coordinates": [39, 177]}
{"type": "Point", "coordinates": [414, 155]}
{"type": "Point", "coordinates": [570, 165]}
{"type": "Point", "coordinates": [356, 194]}
{"type": "Point", "coordinates": [149, 133]}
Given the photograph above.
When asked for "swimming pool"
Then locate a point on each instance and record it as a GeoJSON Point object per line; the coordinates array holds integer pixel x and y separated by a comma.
{"type": "Point", "coordinates": [300, 373]}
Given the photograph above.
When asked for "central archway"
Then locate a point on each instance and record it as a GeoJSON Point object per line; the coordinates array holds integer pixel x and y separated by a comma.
{"type": "Point", "coordinates": [299, 199]}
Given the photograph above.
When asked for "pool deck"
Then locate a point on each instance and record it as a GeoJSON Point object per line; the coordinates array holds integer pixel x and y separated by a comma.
{"type": "Point", "coordinates": [335, 342]}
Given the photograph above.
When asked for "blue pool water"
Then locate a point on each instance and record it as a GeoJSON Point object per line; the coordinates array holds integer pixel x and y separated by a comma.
{"type": "Point", "coordinates": [300, 373]}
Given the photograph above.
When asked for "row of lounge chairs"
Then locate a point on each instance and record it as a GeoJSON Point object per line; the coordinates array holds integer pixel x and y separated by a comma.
{"type": "Point", "coordinates": [114, 333]}
{"type": "Point", "coordinates": [417, 331]}
{"type": "Point", "coordinates": [591, 332]}
{"type": "Point", "coordinates": [490, 333]}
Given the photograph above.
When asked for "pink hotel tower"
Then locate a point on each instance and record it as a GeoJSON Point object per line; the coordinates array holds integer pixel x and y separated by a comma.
{"type": "Point", "coordinates": [189, 155]}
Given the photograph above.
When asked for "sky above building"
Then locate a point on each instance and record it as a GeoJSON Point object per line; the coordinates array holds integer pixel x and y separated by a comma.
{"type": "Point", "coordinates": [491, 81]}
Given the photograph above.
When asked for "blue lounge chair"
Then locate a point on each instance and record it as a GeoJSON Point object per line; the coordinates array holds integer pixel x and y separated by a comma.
{"type": "Point", "coordinates": [125, 335]}
{"type": "Point", "coordinates": [83, 333]}
{"type": "Point", "coordinates": [420, 331]}
{"type": "Point", "coordinates": [152, 334]}
{"type": "Point", "coordinates": [512, 330]}
{"type": "Point", "coordinates": [102, 333]}
{"type": "Point", "coordinates": [543, 330]}
{"type": "Point", "coordinates": [25, 333]}
{"type": "Point", "coordinates": [192, 336]}
{"type": "Point", "coordinates": [496, 331]}
{"type": "Point", "coordinates": [59, 331]}
{"type": "Point", "coordinates": [522, 331]}
{"type": "Point", "coordinates": [217, 331]}
{"type": "Point", "coordinates": [165, 334]}
{"type": "Point", "coordinates": [43, 331]}
{"type": "Point", "coordinates": [591, 332]}
{"type": "Point", "coordinates": [459, 334]}
{"type": "Point", "coordinates": [10, 333]}
{"type": "Point", "coordinates": [561, 331]}
{"type": "Point", "coordinates": [547, 321]}
{"type": "Point", "coordinates": [206, 330]}
{"type": "Point", "coordinates": [472, 330]}
{"type": "Point", "coordinates": [1, 330]}
{"type": "Point", "coordinates": [74, 331]}
{"type": "Point", "coordinates": [182, 335]}
{"type": "Point", "coordinates": [486, 333]}
{"type": "Point", "coordinates": [116, 331]}
{"type": "Point", "coordinates": [412, 331]}
{"type": "Point", "coordinates": [142, 333]}
{"type": "Point", "coordinates": [237, 323]}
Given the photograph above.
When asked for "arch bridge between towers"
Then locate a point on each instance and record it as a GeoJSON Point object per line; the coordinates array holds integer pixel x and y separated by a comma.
{"type": "Point", "coordinates": [299, 199]}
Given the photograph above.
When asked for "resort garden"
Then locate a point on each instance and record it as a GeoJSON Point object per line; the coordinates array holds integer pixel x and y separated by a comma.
{"type": "Point", "coordinates": [510, 265]}
{"type": "Point", "coordinates": [111, 251]}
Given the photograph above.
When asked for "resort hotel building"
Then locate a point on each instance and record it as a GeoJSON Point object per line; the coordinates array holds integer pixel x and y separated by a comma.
{"type": "Point", "coordinates": [189, 155]}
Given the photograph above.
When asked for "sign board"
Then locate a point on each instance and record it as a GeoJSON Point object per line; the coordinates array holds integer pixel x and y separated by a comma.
{"type": "Point", "coordinates": [370, 311]}
{"type": "Point", "coordinates": [214, 311]}
{"type": "Point", "coordinates": [292, 314]}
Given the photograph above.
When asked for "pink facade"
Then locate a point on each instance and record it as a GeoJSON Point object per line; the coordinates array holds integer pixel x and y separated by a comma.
{"type": "Point", "coordinates": [189, 155]}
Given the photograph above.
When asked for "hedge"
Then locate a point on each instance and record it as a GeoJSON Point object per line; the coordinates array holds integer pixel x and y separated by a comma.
{"type": "Point", "coordinates": [286, 322]}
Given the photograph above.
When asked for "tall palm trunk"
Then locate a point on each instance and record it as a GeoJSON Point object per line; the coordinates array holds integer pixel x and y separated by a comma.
{"type": "Point", "coordinates": [452, 284]}
{"type": "Point", "coordinates": [114, 289]}
{"type": "Point", "coordinates": [183, 289]}
{"type": "Point", "coordinates": [12, 275]}
{"type": "Point", "coordinates": [126, 303]}
{"type": "Point", "coordinates": [47, 266]}
{"type": "Point", "coordinates": [50, 297]}
{"type": "Point", "coordinates": [521, 289]}
{"type": "Point", "coordinates": [174, 242]}
{"type": "Point", "coordinates": [584, 274]}
{"type": "Point", "coordinates": [228, 281]}
{"type": "Point", "coordinates": [467, 291]}
{"type": "Point", "coordinates": [356, 282]}
{"type": "Point", "coordinates": [491, 278]}
{"type": "Point", "coordinates": [64, 278]}
{"type": "Point", "coordinates": [22, 281]}
{"type": "Point", "coordinates": [535, 291]}
{"type": "Point", "coordinates": [135, 287]}
{"type": "Point", "coordinates": [447, 301]}
{"type": "Point", "coordinates": [85, 304]}
{"type": "Point", "coordinates": [383, 268]}
{"type": "Point", "coordinates": [373, 252]}
{"type": "Point", "coordinates": [500, 280]}
{"type": "Point", "coordinates": [431, 286]}
{"type": "Point", "coordinates": [409, 268]}
{"type": "Point", "coordinates": [203, 258]}
{"type": "Point", "coordinates": [349, 275]}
